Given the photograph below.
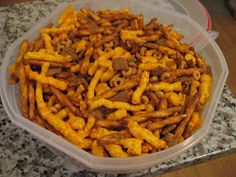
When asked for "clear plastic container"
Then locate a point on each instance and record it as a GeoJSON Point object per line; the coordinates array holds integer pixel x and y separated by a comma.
{"type": "Point", "coordinates": [192, 8]}
{"type": "Point", "coordinates": [183, 24]}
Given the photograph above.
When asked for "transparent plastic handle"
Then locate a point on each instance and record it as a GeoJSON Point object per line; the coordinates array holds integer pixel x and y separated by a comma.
{"type": "Point", "coordinates": [214, 34]}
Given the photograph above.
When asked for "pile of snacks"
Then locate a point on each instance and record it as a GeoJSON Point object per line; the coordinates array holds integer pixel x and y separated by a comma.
{"type": "Point", "coordinates": [110, 84]}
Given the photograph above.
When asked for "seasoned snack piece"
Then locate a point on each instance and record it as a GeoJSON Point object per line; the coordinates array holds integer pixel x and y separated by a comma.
{"type": "Point", "coordinates": [175, 99]}
{"type": "Point", "coordinates": [47, 56]}
{"type": "Point", "coordinates": [94, 82]}
{"type": "Point", "coordinates": [100, 132]}
{"type": "Point", "coordinates": [52, 64]}
{"type": "Point", "coordinates": [13, 68]}
{"type": "Point", "coordinates": [98, 150]}
{"type": "Point", "coordinates": [157, 114]}
{"type": "Point", "coordinates": [76, 122]}
{"type": "Point", "coordinates": [194, 88]}
{"type": "Point", "coordinates": [120, 64]}
{"type": "Point", "coordinates": [47, 42]}
{"type": "Point", "coordinates": [89, 125]}
{"type": "Point", "coordinates": [109, 124]}
{"type": "Point", "coordinates": [123, 96]}
{"type": "Point", "coordinates": [24, 90]}
{"type": "Point", "coordinates": [116, 105]}
{"type": "Point", "coordinates": [133, 145]}
{"type": "Point", "coordinates": [85, 63]}
{"type": "Point", "coordinates": [136, 98]}
{"type": "Point", "coordinates": [150, 66]}
{"type": "Point", "coordinates": [145, 134]}
{"type": "Point", "coordinates": [166, 87]}
{"type": "Point", "coordinates": [189, 111]}
{"type": "Point", "coordinates": [205, 88]}
{"type": "Point", "coordinates": [45, 80]}
{"type": "Point", "coordinates": [117, 115]}
{"type": "Point", "coordinates": [168, 129]}
{"type": "Point", "coordinates": [116, 150]}
{"type": "Point", "coordinates": [101, 88]}
{"type": "Point", "coordinates": [31, 100]}
{"type": "Point", "coordinates": [193, 125]}
{"type": "Point", "coordinates": [163, 122]}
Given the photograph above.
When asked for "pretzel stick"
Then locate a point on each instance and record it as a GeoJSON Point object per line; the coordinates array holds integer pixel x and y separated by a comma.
{"type": "Point", "coordinates": [158, 114]}
{"type": "Point", "coordinates": [189, 111]}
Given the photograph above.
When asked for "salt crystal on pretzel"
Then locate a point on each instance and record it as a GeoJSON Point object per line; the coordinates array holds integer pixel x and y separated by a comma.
{"type": "Point", "coordinates": [136, 98]}
{"type": "Point", "coordinates": [45, 80]}
{"type": "Point", "coordinates": [145, 134]}
{"type": "Point", "coordinates": [46, 56]}
{"type": "Point", "coordinates": [116, 105]}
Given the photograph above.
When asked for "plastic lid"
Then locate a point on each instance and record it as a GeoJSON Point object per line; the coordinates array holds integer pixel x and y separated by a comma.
{"type": "Point", "coordinates": [192, 8]}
